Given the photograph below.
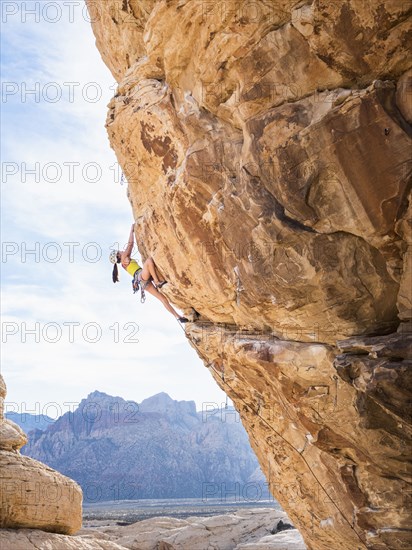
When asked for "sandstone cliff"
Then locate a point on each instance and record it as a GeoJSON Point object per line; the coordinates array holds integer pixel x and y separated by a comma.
{"type": "Point", "coordinates": [32, 495]}
{"type": "Point", "coordinates": [267, 148]}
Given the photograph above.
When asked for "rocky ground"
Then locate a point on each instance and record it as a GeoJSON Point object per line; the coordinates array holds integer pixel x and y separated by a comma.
{"type": "Point", "coordinates": [243, 530]}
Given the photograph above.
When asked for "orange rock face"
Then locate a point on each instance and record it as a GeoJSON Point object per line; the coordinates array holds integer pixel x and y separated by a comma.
{"type": "Point", "coordinates": [267, 150]}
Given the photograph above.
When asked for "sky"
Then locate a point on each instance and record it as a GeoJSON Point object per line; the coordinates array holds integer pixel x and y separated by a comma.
{"type": "Point", "coordinates": [67, 330]}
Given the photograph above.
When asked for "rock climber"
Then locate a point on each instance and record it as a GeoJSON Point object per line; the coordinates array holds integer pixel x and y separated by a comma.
{"type": "Point", "coordinates": [147, 276]}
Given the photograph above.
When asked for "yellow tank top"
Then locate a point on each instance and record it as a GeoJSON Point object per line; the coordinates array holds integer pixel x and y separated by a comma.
{"type": "Point", "coordinates": [132, 267]}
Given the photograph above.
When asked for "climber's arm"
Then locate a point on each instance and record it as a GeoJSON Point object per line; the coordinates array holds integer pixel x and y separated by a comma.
{"type": "Point", "coordinates": [128, 252]}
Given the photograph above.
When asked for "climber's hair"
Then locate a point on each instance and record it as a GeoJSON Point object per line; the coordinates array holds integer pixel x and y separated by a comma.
{"type": "Point", "coordinates": [115, 274]}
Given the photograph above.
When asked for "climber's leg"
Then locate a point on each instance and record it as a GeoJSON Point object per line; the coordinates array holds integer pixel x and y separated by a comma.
{"type": "Point", "coordinates": [149, 270]}
{"type": "Point", "coordinates": [154, 292]}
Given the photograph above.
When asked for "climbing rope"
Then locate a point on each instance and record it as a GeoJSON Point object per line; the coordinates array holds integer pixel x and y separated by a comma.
{"type": "Point", "coordinates": [221, 375]}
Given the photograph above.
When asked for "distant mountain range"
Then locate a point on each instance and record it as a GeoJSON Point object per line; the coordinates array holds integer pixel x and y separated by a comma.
{"type": "Point", "coordinates": [160, 448]}
{"type": "Point", "coordinates": [30, 421]}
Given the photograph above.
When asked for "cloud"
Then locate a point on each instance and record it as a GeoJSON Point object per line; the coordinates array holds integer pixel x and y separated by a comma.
{"type": "Point", "coordinates": [38, 208]}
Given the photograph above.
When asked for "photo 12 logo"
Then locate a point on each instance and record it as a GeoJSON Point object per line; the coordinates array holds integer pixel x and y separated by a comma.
{"type": "Point", "coordinates": [55, 252]}
{"type": "Point", "coordinates": [69, 11]}
{"type": "Point", "coordinates": [252, 491]}
{"type": "Point", "coordinates": [51, 92]}
{"type": "Point", "coordinates": [69, 332]}
{"type": "Point", "coordinates": [67, 172]}
{"type": "Point", "coordinates": [51, 252]}
{"type": "Point", "coordinates": [117, 411]}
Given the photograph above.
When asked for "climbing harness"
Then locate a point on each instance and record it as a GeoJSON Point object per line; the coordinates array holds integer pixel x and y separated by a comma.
{"type": "Point", "coordinates": [138, 283]}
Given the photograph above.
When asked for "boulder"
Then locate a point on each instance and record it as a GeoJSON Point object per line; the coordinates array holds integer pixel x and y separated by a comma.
{"type": "Point", "coordinates": [33, 495]}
